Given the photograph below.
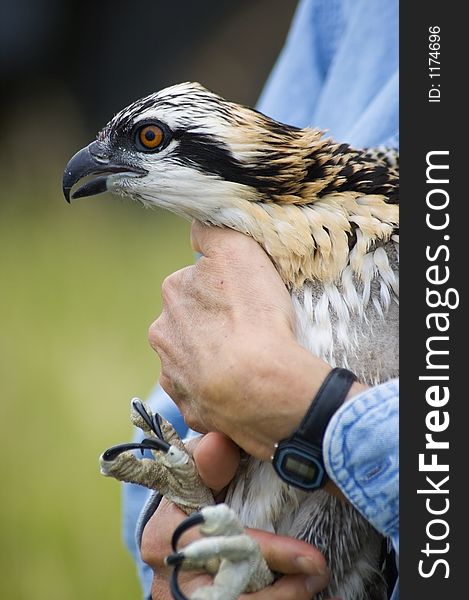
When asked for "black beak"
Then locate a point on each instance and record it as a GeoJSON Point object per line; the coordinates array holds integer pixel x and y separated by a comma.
{"type": "Point", "coordinates": [93, 160]}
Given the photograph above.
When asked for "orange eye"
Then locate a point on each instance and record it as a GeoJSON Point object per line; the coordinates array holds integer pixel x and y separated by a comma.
{"type": "Point", "coordinates": [150, 136]}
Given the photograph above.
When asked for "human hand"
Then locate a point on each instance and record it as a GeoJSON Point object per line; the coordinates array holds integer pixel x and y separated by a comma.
{"type": "Point", "coordinates": [304, 567]}
{"type": "Point", "coordinates": [226, 340]}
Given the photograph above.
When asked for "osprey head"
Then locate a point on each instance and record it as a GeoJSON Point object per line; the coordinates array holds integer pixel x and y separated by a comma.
{"type": "Point", "coordinates": [188, 150]}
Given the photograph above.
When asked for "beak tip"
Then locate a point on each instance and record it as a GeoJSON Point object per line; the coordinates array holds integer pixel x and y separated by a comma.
{"type": "Point", "coordinates": [67, 195]}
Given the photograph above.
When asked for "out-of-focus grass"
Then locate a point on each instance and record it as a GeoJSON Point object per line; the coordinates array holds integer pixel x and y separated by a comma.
{"type": "Point", "coordinates": [80, 285]}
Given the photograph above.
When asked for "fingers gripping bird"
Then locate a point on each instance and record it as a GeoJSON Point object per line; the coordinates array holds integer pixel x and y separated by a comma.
{"type": "Point", "coordinates": [328, 217]}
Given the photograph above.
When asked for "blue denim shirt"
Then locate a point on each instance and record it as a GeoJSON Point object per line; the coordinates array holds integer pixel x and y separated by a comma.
{"type": "Point", "coordinates": [361, 454]}
{"type": "Point", "coordinates": [337, 71]}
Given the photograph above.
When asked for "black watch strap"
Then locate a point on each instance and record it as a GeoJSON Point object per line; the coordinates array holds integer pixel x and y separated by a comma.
{"type": "Point", "coordinates": [330, 396]}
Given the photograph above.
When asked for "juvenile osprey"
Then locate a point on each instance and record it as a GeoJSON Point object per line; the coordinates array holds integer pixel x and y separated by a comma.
{"type": "Point", "coordinates": [328, 216]}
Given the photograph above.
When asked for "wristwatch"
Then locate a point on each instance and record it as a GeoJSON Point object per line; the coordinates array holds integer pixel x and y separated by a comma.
{"type": "Point", "coordinates": [298, 460]}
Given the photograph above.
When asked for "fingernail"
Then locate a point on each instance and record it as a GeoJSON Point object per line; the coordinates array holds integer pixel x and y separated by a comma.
{"type": "Point", "coordinates": [307, 565]}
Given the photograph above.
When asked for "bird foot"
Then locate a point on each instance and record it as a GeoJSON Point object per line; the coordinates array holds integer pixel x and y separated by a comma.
{"type": "Point", "coordinates": [225, 550]}
{"type": "Point", "coordinates": [172, 470]}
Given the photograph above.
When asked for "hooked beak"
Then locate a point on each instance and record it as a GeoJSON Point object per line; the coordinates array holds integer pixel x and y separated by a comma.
{"type": "Point", "coordinates": [93, 160]}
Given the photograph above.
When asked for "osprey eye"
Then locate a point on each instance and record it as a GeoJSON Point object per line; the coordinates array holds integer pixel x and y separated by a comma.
{"type": "Point", "coordinates": [150, 137]}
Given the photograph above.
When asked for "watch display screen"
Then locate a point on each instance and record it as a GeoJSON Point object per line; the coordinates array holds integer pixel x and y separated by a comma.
{"type": "Point", "coordinates": [300, 467]}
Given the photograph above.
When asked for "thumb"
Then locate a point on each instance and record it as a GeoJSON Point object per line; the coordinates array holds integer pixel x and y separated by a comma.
{"type": "Point", "coordinates": [217, 459]}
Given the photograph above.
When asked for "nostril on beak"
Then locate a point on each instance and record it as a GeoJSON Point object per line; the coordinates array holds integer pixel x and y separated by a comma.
{"type": "Point", "coordinates": [98, 151]}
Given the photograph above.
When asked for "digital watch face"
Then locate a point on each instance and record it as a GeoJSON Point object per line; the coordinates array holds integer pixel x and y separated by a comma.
{"type": "Point", "coordinates": [299, 467]}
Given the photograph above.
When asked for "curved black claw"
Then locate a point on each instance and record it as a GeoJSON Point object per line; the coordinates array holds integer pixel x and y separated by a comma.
{"type": "Point", "coordinates": [175, 559]}
{"type": "Point", "coordinates": [153, 421]}
{"type": "Point", "coordinates": [195, 519]}
{"type": "Point", "coordinates": [146, 444]}
{"type": "Point", "coordinates": [174, 584]}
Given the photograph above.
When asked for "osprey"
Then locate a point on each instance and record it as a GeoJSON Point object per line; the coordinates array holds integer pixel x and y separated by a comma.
{"type": "Point", "coordinates": [328, 217]}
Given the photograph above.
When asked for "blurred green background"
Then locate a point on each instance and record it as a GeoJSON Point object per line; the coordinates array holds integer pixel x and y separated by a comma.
{"type": "Point", "coordinates": [80, 284]}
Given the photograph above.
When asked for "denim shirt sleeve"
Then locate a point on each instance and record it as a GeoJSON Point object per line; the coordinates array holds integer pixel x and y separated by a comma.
{"type": "Point", "coordinates": [361, 455]}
